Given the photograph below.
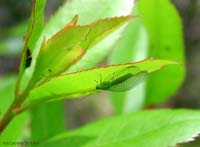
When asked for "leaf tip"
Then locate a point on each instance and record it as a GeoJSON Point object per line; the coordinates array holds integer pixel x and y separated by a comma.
{"type": "Point", "coordinates": [73, 22]}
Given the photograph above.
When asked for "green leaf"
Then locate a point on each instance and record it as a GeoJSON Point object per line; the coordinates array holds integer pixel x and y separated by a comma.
{"type": "Point", "coordinates": [14, 131]}
{"type": "Point", "coordinates": [61, 50]}
{"type": "Point", "coordinates": [37, 23]}
{"type": "Point", "coordinates": [164, 29]}
{"type": "Point", "coordinates": [103, 28]}
{"type": "Point", "coordinates": [71, 85]}
{"type": "Point", "coordinates": [70, 43]}
{"type": "Point", "coordinates": [34, 31]}
{"type": "Point", "coordinates": [158, 128]}
{"type": "Point", "coordinates": [102, 9]}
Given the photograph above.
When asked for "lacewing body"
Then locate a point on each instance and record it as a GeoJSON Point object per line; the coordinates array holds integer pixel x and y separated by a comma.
{"type": "Point", "coordinates": [122, 80]}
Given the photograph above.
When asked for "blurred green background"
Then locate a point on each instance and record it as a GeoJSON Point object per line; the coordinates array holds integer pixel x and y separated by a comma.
{"type": "Point", "coordinates": [13, 25]}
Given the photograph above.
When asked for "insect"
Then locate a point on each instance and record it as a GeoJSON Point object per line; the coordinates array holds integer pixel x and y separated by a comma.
{"type": "Point", "coordinates": [122, 80]}
{"type": "Point", "coordinates": [28, 57]}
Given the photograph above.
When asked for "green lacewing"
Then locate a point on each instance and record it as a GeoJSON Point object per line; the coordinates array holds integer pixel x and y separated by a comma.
{"type": "Point", "coordinates": [122, 80]}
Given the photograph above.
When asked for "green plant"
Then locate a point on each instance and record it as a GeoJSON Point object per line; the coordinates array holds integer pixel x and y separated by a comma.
{"type": "Point", "coordinates": [57, 58]}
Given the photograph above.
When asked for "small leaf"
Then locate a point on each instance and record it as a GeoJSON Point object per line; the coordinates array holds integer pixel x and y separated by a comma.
{"type": "Point", "coordinates": [73, 21]}
{"type": "Point", "coordinates": [102, 28]}
{"type": "Point", "coordinates": [158, 128]}
{"type": "Point", "coordinates": [60, 51]}
{"type": "Point", "coordinates": [35, 29]}
{"type": "Point", "coordinates": [70, 43]}
{"type": "Point", "coordinates": [71, 85]}
{"type": "Point", "coordinates": [37, 23]}
{"type": "Point", "coordinates": [95, 10]}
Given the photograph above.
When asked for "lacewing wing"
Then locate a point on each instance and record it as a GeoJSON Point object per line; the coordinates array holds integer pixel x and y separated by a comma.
{"type": "Point", "coordinates": [122, 80]}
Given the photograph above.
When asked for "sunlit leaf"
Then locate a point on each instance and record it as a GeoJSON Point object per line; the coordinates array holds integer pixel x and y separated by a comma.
{"type": "Point", "coordinates": [90, 11]}
{"type": "Point", "coordinates": [70, 43]}
{"type": "Point", "coordinates": [35, 29]}
{"type": "Point", "coordinates": [158, 128]}
{"type": "Point", "coordinates": [103, 28]}
{"type": "Point", "coordinates": [71, 85]}
{"type": "Point", "coordinates": [60, 52]}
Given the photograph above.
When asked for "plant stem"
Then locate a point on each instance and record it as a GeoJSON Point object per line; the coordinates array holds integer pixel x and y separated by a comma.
{"type": "Point", "coordinates": [8, 116]}
{"type": "Point", "coordinates": [11, 112]}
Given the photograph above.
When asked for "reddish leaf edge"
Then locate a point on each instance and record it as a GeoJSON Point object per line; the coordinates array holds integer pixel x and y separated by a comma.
{"type": "Point", "coordinates": [27, 38]}
{"type": "Point", "coordinates": [29, 104]}
{"type": "Point", "coordinates": [73, 25]}
{"type": "Point", "coordinates": [102, 67]}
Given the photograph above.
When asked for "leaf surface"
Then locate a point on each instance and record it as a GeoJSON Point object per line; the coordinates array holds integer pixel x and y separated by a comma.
{"type": "Point", "coordinates": [89, 11]}
{"type": "Point", "coordinates": [158, 128]}
{"type": "Point", "coordinates": [34, 31]}
{"type": "Point", "coordinates": [70, 44]}
{"type": "Point", "coordinates": [71, 85]}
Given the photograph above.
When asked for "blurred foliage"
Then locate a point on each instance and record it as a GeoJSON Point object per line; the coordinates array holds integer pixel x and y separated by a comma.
{"type": "Point", "coordinates": [158, 38]}
{"type": "Point", "coordinates": [13, 12]}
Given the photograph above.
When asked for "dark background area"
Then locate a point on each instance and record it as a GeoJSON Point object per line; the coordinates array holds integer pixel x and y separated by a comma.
{"type": "Point", "coordinates": [188, 96]}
